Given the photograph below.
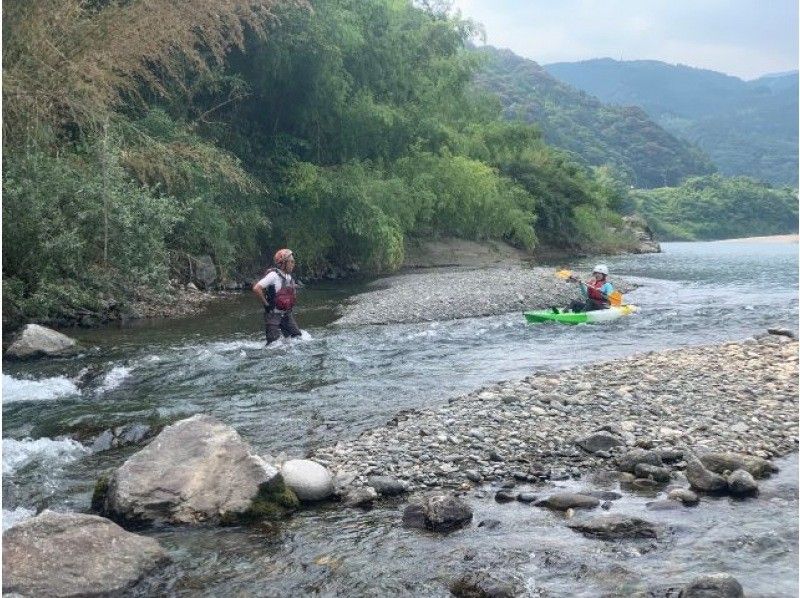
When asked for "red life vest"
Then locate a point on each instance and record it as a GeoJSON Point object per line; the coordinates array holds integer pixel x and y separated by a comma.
{"type": "Point", "coordinates": [593, 289]}
{"type": "Point", "coordinates": [286, 296]}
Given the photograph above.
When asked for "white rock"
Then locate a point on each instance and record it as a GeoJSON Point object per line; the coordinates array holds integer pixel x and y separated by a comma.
{"type": "Point", "coordinates": [36, 341]}
{"type": "Point", "coordinates": [309, 480]}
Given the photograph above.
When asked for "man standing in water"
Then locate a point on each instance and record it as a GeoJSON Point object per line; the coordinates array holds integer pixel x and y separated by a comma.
{"type": "Point", "coordinates": [277, 291]}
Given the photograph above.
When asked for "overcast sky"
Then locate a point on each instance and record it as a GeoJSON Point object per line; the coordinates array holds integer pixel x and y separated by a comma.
{"type": "Point", "coordinates": [746, 38]}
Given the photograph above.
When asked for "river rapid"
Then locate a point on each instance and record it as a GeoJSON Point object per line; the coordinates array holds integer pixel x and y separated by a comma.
{"type": "Point", "coordinates": [336, 382]}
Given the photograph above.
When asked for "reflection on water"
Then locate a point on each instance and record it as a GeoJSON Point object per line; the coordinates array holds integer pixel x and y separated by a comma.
{"type": "Point", "coordinates": [335, 382]}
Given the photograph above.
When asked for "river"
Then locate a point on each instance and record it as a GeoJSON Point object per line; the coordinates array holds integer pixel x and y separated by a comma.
{"type": "Point", "coordinates": [336, 382]}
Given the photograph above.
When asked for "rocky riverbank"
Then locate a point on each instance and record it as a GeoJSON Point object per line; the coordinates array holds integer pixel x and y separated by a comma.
{"type": "Point", "coordinates": [449, 294]}
{"type": "Point", "coordinates": [738, 397]}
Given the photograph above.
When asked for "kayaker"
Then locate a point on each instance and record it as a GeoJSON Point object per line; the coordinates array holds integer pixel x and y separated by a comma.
{"type": "Point", "coordinates": [277, 291]}
{"type": "Point", "coordinates": [595, 291]}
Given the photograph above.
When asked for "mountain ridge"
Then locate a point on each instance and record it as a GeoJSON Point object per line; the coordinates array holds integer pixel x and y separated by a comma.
{"type": "Point", "coordinates": [749, 128]}
{"type": "Point", "coordinates": [598, 134]}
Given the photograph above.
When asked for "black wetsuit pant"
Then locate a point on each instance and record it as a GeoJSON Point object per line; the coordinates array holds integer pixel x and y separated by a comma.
{"type": "Point", "coordinates": [588, 305]}
{"type": "Point", "coordinates": [279, 323]}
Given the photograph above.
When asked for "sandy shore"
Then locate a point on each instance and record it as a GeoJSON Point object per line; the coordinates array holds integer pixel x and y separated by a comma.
{"type": "Point", "coordinates": [740, 397]}
{"type": "Point", "coordinates": [769, 239]}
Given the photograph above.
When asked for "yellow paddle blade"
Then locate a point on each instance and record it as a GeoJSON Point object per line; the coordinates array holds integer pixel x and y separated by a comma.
{"type": "Point", "coordinates": [615, 298]}
{"type": "Point", "coordinates": [564, 274]}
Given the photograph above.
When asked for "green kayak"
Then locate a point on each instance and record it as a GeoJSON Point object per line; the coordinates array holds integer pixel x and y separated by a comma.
{"type": "Point", "coordinates": [589, 317]}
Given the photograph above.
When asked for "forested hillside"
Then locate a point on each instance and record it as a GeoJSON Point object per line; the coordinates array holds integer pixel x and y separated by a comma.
{"type": "Point", "coordinates": [747, 128]}
{"type": "Point", "coordinates": [624, 137]}
{"type": "Point", "coordinates": [139, 134]}
{"type": "Point", "coordinates": [715, 207]}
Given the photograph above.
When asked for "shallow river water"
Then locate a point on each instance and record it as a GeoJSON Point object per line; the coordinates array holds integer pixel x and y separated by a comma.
{"type": "Point", "coordinates": [336, 382]}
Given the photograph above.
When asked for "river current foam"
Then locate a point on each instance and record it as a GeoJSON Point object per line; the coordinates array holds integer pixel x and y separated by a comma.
{"type": "Point", "coordinates": [46, 389]}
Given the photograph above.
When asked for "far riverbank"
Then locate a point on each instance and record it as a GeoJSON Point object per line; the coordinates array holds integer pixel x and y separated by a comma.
{"type": "Point", "coordinates": [769, 239]}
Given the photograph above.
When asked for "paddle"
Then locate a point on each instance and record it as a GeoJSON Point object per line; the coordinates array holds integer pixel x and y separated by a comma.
{"type": "Point", "coordinates": [614, 298]}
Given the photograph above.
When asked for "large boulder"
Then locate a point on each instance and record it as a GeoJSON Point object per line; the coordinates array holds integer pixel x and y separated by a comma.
{"type": "Point", "coordinates": [439, 512]}
{"type": "Point", "coordinates": [196, 470]}
{"type": "Point", "coordinates": [37, 341]}
{"type": "Point", "coordinates": [717, 585]}
{"type": "Point", "coordinates": [613, 527]}
{"type": "Point", "coordinates": [309, 480]}
{"type": "Point", "coordinates": [720, 462]}
{"type": "Point", "coordinates": [636, 226]}
{"type": "Point", "coordinates": [703, 479]}
{"type": "Point", "coordinates": [204, 271]}
{"type": "Point", "coordinates": [72, 554]}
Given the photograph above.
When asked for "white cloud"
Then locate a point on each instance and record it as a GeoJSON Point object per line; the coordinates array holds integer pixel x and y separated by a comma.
{"type": "Point", "coordinates": [740, 37]}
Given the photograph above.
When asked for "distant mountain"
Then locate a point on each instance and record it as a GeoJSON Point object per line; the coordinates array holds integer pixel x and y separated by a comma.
{"type": "Point", "coordinates": [594, 132]}
{"type": "Point", "coordinates": [747, 127]}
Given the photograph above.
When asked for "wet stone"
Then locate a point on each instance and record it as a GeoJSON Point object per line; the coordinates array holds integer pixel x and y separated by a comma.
{"type": "Point", "coordinates": [526, 497]}
{"type": "Point", "coordinates": [720, 462]}
{"type": "Point", "coordinates": [603, 494]}
{"type": "Point", "coordinates": [387, 486]}
{"type": "Point", "coordinates": [612, 527]}
{"type": "Point", "coordinates": [684, 495]}
{"type": "Point", "coordinates": [484, 585]}
{"type": "Point", "coordinates": [473, 476]}
{"type": "Point", "coordinates": [599, 441]}
{"type": "Point", "coordinates": [659, 474]}
{"type": "Point", "coordinates": [628, 461]}
{"type": "Point", "coordinates": [664, 505]}
{"type": "Point", "coordinates": [360, 497]}
{"type": "Point", "coordinates": [717, 585]}
{"type": "Point", "coordinates": [568, 500]}
{"type": "Point", "coordinates": [644, 483]}
{"type": "Point", "coordinates": [439, 512]}
{"type": "Point", "coordinates": [702, 479]}
{"type": "Point", "coordinates": [505, 496]}
{"type": "Point", "coordinates": [741, 483]}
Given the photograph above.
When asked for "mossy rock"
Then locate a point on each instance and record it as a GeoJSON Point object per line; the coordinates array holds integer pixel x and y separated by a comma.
{"type": "Point", "coordinates": [274, 501]}
{"type": "Point", "coordinates": [100, 494]}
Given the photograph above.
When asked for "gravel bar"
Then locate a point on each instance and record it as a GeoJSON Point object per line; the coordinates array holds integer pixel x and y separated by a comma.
{"type": "Point", "coordinates": [435, 295]}
{"type": "Point", "coordinates": [739, 396]}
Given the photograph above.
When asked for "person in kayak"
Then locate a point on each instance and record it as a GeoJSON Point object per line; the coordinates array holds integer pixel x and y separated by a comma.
{"type": "Point", "coordinates": [594, 291]}
{"type": "Point", "coordinates": [277, 291]}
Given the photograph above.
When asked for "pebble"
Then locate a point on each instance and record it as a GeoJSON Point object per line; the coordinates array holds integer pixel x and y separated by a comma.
{"type": "Point", "coordinates": [454, 294]}
{"type": "Point", "coordinates": [437, 447]}
{"type": "Point", "coordinates": [505, 496]}
{"type": "Point", "coordinates": [684, 495]}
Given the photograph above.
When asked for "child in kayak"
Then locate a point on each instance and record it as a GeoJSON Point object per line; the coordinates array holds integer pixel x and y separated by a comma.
{"type": "Point", "coordinates": [595, 291]}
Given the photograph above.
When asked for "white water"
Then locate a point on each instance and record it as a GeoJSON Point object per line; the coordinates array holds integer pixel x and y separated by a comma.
{"type": "Point", "coordinates": [18, 515]}
{"type": "Point", "coordinates": [116, 376]}
{"type": "Point", "coordinates": [46, 389]}
{"type": "Point", "coordinates": [44, 452]}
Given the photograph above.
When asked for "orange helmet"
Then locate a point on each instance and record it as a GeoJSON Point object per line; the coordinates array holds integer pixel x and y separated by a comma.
{"type": "Point", "coordinates": [282, 256]}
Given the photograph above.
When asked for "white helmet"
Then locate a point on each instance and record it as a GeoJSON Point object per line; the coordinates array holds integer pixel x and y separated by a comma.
{"type": "Point", "coordinates": [601, 269]}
